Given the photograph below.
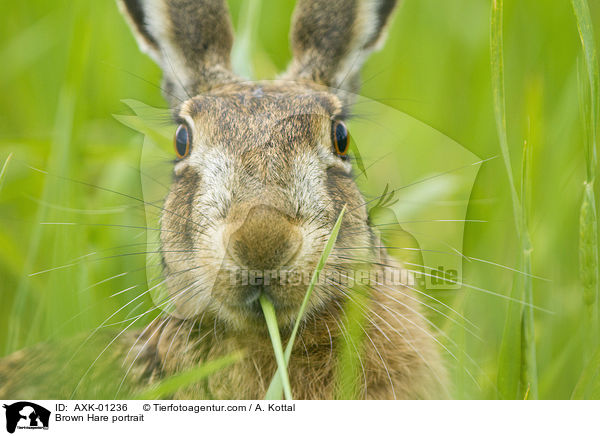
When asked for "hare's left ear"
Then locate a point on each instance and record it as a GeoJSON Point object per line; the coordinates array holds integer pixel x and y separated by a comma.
{"type": "Point", "coordinates": [331, 39]}
{"type": "Point", "coordinates": [189, 39]}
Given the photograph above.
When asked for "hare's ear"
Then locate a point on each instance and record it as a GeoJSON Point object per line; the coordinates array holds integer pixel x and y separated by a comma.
{"type": "Point", "coordinates": [189, 39]}
{"type": "Point", "coordinates": [331, 39]}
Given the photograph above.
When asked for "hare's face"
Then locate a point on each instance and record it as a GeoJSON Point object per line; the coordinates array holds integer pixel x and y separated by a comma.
{"type": "Point", "coordinates": [254, 201]}
{"type": "Point", "coordinates": [260, 180]}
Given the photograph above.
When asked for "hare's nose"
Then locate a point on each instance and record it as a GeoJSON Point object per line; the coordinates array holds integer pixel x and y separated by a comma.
{"type": "Point", "coordinates": [266, 239]}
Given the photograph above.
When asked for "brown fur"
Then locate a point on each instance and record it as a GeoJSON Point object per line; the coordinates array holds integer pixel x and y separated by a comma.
{"type": "Point", "coordinates": [189, 39]}
{"type": "Point", "coordinates": [399, 360]}
{"type": "Point", "coordinates": [331, 39]}
{"type": "Point", "coordinates": [262, 189]}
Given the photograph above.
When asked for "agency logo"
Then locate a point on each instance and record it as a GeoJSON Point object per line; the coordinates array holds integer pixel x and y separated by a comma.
{"type": "Point", "coordinates": [27, 416]}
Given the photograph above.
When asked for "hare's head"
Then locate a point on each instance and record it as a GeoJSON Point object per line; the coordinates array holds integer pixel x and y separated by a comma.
{"type": "Point", "coordinates": [262, 170]}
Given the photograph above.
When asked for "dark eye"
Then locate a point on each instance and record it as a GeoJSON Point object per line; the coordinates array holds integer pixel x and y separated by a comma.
{"type": "Point", "coordinates": [182, 141]}
{"type": "Point", "coordinates": [339, 138]}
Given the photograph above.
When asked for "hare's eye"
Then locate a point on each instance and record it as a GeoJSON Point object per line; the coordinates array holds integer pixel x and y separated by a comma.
{"type": "Point", "coordinates": [182, 141]}
{"type": "Point", "coordinates": [339, 138]}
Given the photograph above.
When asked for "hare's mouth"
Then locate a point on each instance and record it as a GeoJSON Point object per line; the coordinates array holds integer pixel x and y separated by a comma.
{"type": "Point", "coordinates": [249, 306]}
{"type": "Point", "coordinates": [249, 301]}
{"type": "Point", "coordinates": [262, 246]}
{"type": "Point", "coordinates": [243, 302]}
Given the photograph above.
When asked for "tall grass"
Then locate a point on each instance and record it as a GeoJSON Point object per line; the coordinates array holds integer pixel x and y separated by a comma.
{"type": "Point", "coordinates": [528, 375]}
{"type": "Point", "coordinates": [588, 217]}
{"type": "Point", "coordinates": [517, 356]}
{"type": "Point", "coordinates": [588, 386]}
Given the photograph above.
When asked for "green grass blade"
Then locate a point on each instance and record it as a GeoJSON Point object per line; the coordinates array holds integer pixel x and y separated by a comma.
{"type": "Point", "coordinates": [510, 348]}
{"type": "Point", "coordinates": [517, 360]}
{"type": "Point", "coordinates": [588, 257]}
{"type": "Point", "coordinates": [314, 279]}
{"type": "Point", "coordinates": [586, 34]}
{"type": "Point", "coordinates": [529, 379]}
{"type": "Point", "coordinates": [588, 245]}
{"type": "Point", "coordinates": [241, 53]}
{"type": "Point", "coordinates": [358, 157]}
{"type": "Point", "coordinates": [58, 163]}
{"type": "Point", "coordinates": [588, 386]}
{"type": "Point", "coordinates": [184, 379]}
{"type": "Point", "coordinates": [497, 63]}
{"type": "Point", "coordinates": [273, 327]}
{"type": "Point", "coordinates": [274, 391]}
{"type": "Point", "coordinates": [3, 170]}
{"type": "Point", "coordinates": [588, 217]}
{"type": "Point", "coordinates": [349, 367]}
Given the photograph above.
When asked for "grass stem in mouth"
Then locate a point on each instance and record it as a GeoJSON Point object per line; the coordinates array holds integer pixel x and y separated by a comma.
{"type": "Point", "coordinates": [274, 391]}
{"type": "Point", "coordinates": [271, 320]}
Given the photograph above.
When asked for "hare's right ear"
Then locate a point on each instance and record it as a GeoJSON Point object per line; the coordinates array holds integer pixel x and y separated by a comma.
{"type": "Point", "coordinates": [189, 39]}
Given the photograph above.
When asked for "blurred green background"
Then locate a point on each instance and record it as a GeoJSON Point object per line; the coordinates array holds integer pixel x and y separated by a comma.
{"type": "Point", "coordinates": [66, 66]}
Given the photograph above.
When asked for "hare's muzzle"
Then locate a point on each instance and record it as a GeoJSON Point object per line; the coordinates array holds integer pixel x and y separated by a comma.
{"type": "Point", "coordinates": [265, 240]}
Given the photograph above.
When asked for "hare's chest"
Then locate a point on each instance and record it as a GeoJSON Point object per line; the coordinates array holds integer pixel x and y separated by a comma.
{"type": "Point", "coordinates": [310, 373]}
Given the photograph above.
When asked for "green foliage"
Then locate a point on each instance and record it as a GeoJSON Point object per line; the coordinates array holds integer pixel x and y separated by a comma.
{"type": "Point", "coordinates": [589, 264]}
{"type": "Point", "coordinates": [517, 360]}
{"type": "Point", "coordinates": [588, 386]}
{"type": "Point", "coordinates": [182, 380]}
{"type": "Point", "coordinates": [588, 246]}
{"type": "Point", "coordinates": [590, 54]}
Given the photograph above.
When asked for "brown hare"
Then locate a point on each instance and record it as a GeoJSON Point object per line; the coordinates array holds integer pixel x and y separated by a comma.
{"type": "Point", "coordinates": [261, 175]}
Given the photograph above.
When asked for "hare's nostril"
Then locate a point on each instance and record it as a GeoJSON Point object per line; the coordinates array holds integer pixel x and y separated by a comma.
{"type": "Point", "coordinates": [266, 239]}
